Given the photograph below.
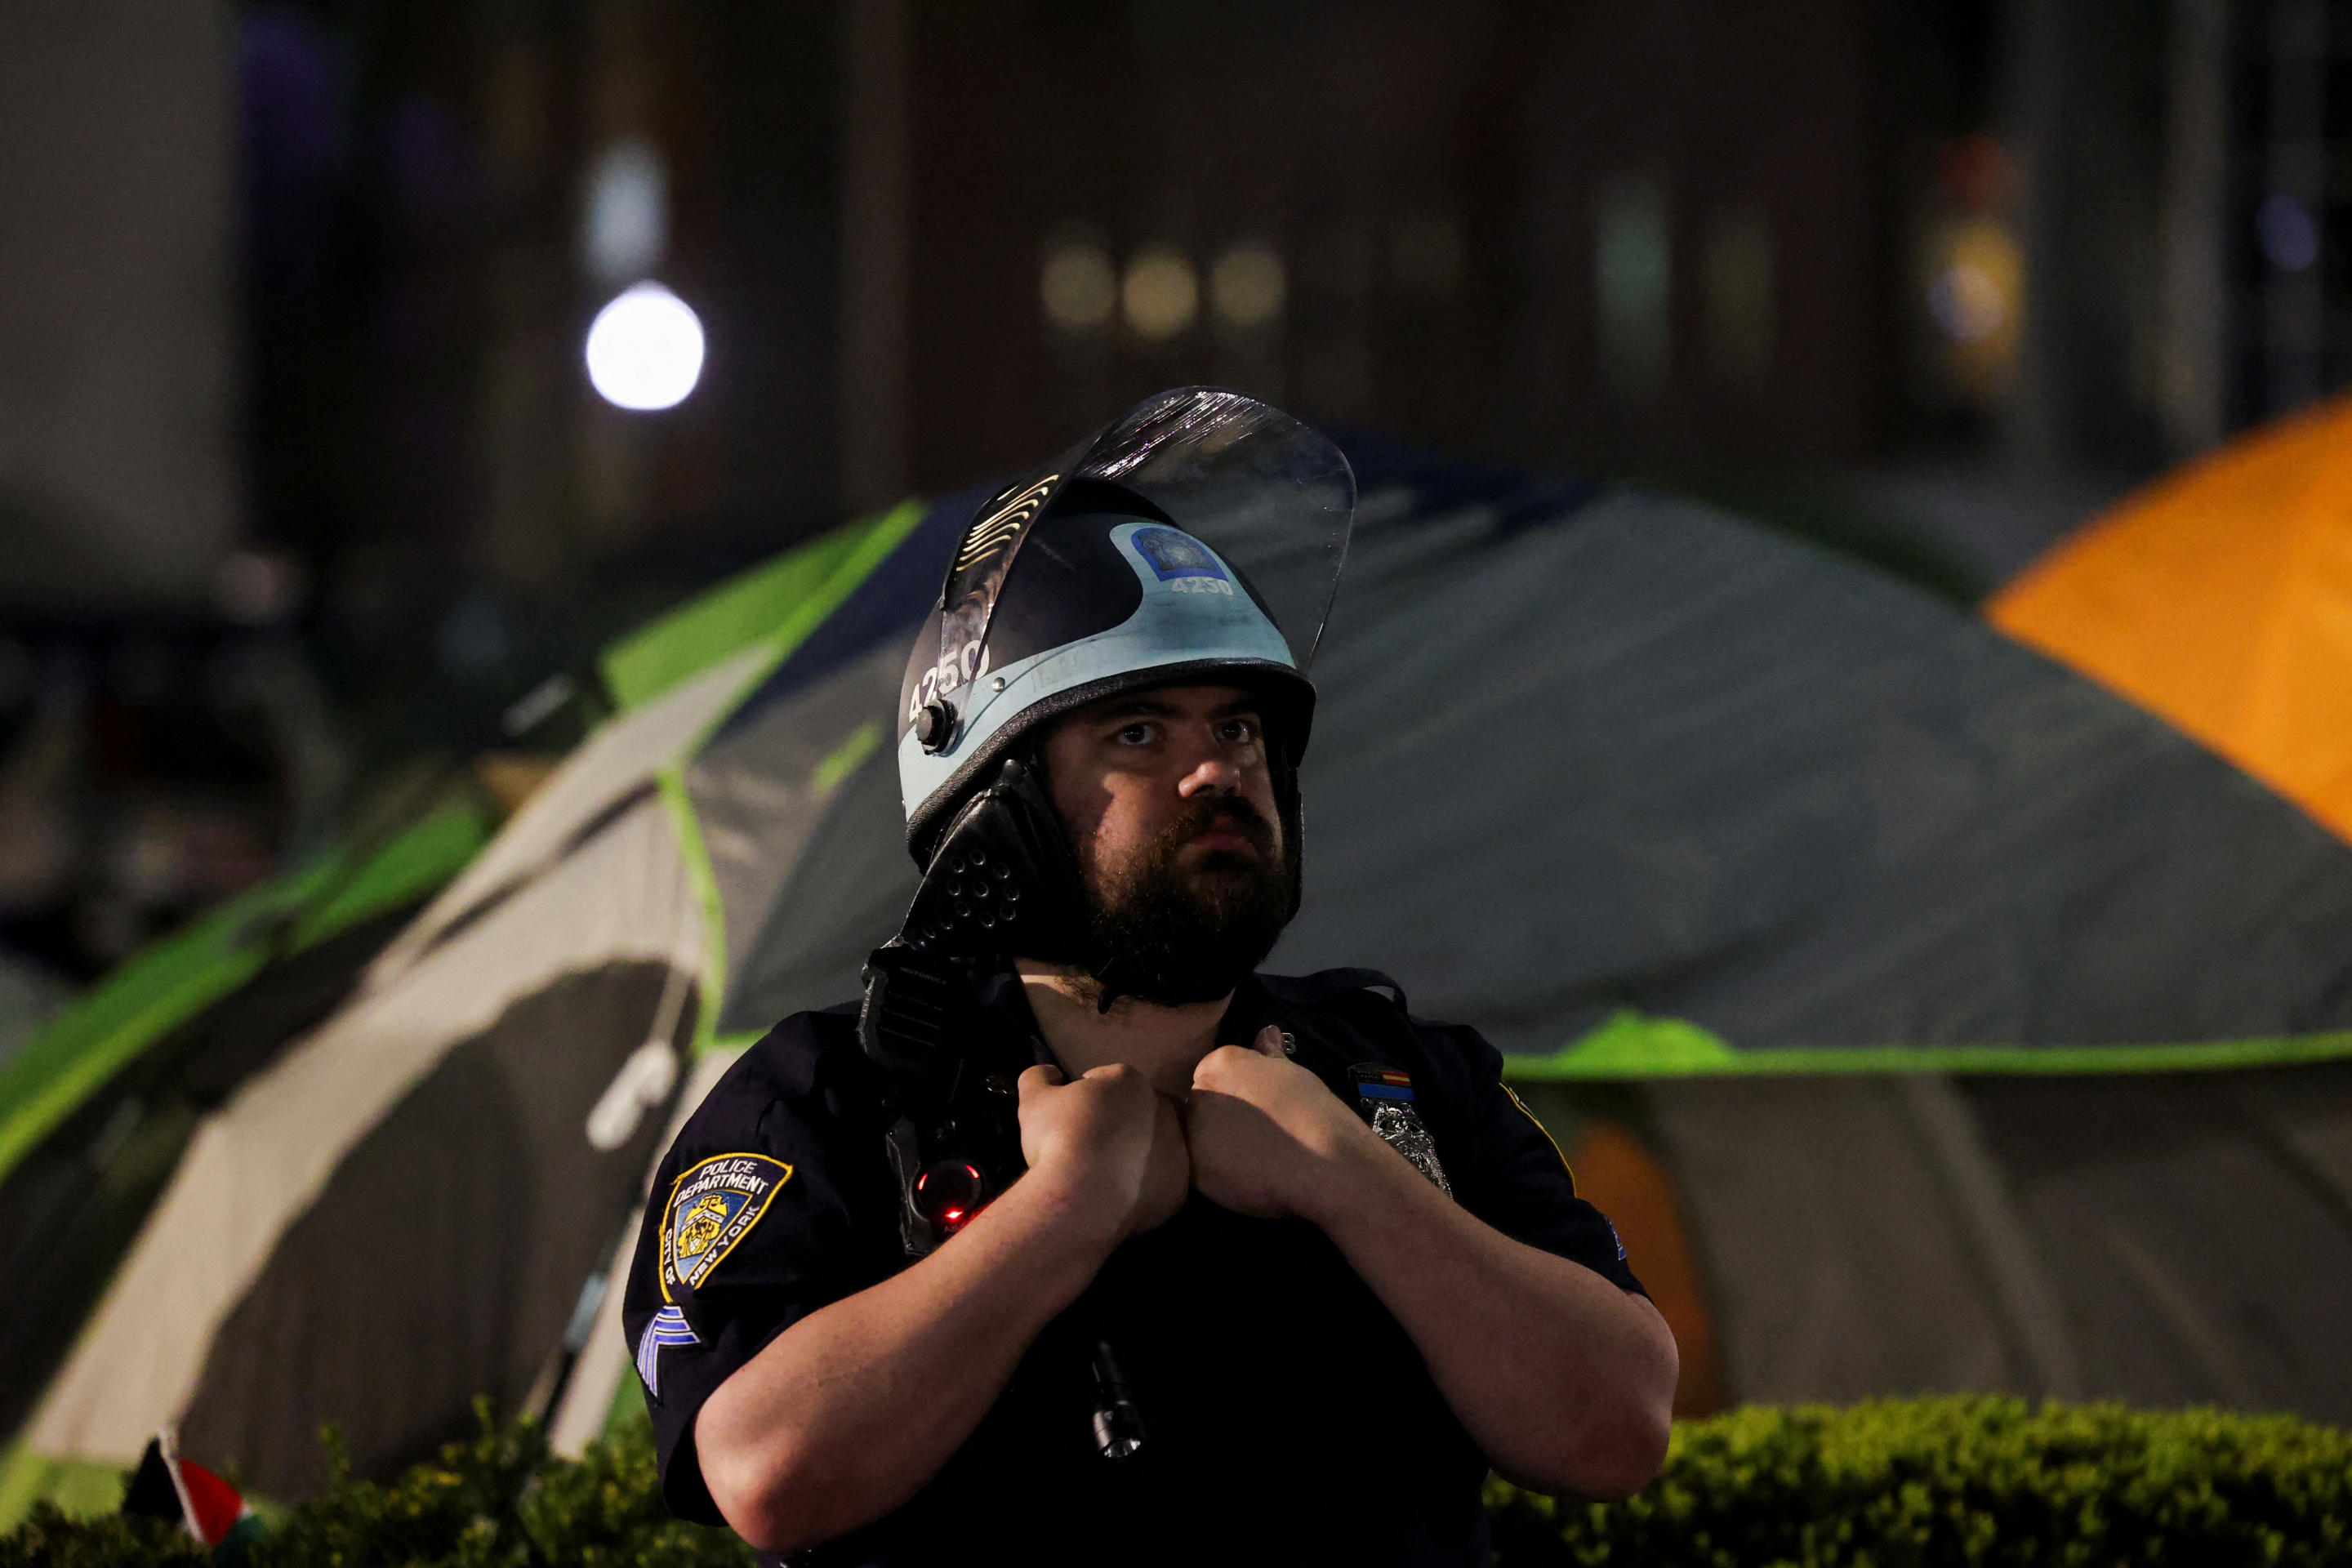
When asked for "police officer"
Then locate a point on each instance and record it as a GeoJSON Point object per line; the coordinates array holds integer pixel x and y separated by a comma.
{"type": "Point", "coordinates": [1257, 1268]}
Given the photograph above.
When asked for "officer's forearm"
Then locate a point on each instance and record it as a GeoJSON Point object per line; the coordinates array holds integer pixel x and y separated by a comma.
{"type": "Point", "coordinates": [1565, 1381]}
{"type": "Point", "coordinates": [850, 1411]}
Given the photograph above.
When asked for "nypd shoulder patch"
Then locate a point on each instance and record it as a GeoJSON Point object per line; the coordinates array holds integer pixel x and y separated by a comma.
{"type": "Point", "coordinates": [669, 1327]}
{"type": "Point", "coordinates": [713, 1206]}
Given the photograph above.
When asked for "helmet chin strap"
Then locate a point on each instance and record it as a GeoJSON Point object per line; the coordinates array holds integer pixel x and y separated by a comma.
{"type": "Point", "coordinates": [1119, 977]}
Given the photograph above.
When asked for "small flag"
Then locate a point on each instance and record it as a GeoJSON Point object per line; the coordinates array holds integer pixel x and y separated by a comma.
{"type": "Point", "coordinates": [168, 1487]}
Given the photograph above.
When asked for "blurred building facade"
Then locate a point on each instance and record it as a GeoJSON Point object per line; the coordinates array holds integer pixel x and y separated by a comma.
{"type": "Point", "coordinates": [119, 478]}
{"type": "Point", "coordinates": [1566, 235]}
{"type": "Point", "coordinates": [296, 374]}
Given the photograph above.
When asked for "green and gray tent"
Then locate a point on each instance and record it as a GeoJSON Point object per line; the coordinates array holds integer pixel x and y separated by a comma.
{"type": "Point", "coordinates": [409, 1203]}
{"type": "Point", "coordinates": [1867, 939]}
{"type": "Point", "coordinates": [97, 1105]}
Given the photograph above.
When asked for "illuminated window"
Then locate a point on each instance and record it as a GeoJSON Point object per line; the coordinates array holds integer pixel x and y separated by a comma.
{"type": "Point", "coordinates": [1247, 285]}
{"type": "Point", "coordinates": [2287, 233]}
{"type": "Point", "coordinates": [625, 221]}
{"type": "Point", "coordinates": [1077, 285]}
{"type": "Point", "coordinates": [1739, 293]}
{"type": "Point", "coordinates": [1160, 294]}
{"type": "Point", "coordinates": [1633, 268]}
{"type": "Point", "coordinates": [1976, 298]}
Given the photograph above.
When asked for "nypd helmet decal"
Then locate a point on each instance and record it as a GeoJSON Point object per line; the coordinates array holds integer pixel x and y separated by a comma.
{"type": "Point", "coordinates": [1173, 554]}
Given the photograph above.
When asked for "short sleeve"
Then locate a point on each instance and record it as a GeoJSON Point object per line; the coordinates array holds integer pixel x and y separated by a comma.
{"type": "Point", "coordinates": [761, 1214]}
{"type": "Point", "coordinates": [1519, 1183]}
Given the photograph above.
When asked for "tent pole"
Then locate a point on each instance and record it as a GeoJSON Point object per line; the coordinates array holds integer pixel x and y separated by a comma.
{"type": "Point", "coordinates": [1947, 1126]}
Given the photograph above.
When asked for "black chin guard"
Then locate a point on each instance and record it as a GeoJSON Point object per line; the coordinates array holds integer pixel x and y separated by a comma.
{"type": "Point", "coordinates": [1002, 882]}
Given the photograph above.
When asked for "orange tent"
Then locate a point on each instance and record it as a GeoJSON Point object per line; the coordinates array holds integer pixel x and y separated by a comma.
{"type": "Point", "coordinates": [2221, 597]}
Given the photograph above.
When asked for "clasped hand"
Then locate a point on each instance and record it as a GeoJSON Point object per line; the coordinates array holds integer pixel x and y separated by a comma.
{"type": "Point", "coordinates": [1259, 1134]}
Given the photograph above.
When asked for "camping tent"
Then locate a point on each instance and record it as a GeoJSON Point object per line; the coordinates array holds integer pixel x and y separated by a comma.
{"type": "Point", "coordinates": [409, 1205]}
{"type": "Point", "coordinates": [1690, 818]}
{"type": "Point", "coordinates": [2222, 599]}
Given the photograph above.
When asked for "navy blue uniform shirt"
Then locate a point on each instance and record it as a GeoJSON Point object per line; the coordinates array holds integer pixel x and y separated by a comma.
{"type": "Point", "coordinates": [1289, 1418]}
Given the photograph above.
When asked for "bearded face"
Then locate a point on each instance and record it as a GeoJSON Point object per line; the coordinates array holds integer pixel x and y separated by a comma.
{"type": "Point", "coordinates": [1168, 799]}
{"type": "Point", "coordinates": [1188, 914]}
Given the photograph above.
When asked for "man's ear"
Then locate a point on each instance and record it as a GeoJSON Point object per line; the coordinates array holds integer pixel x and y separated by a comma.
{"type": "Point", "coordinates": [1031, 751]}
{"type": "Point", "coordinates": [1030, 755]}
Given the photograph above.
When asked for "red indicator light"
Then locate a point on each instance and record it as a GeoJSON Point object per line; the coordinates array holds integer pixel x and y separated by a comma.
{"type": "Point", "coordinates": [950, 1193]}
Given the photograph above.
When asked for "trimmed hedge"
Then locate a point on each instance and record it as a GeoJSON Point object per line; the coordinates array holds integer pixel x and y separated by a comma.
{"type": "Point", "coordinates": [1961, 1481]}
{"type": "Point", "coordinates": [1894, 1483]}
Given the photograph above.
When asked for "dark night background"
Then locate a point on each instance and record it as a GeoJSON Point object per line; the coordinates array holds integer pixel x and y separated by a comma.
{"type": "Point", "coordinates": [303, 485]}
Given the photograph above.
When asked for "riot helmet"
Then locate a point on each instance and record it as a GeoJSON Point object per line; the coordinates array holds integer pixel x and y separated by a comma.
{"type": "Point", "coordinates": [1197, 540]}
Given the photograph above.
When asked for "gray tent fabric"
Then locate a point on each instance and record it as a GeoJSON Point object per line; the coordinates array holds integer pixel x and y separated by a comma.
{"type": "Point", "coordinates": [1839, 1245]}
{"type": "Point", "coordinates": [844, 898]}
{"type": "Point", "coordinates": [405, 1209]}
{"type": "Point", "coordinates": [1652, 757]}
{"type": "Point", "coordinates": [760, 787]}
{"type": "Point", "coordinates": [2201, 1254]}
{"type": "Point", "coordinates": [2162, 1239]}
{"type": "Point", "coordinates": [465, 1219]}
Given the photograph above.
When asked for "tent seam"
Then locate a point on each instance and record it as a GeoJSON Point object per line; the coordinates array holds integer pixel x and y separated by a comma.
{"type": "Point", "coordinates": [694, 856]}
{"type": "Point", "coordinates": [41, 1112]}
{"type": "Point", "coordinates": [884, 535]}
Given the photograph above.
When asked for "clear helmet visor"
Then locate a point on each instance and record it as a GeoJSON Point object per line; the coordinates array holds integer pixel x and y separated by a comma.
{"type": "Point", "coordinates": [1265, 491]}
